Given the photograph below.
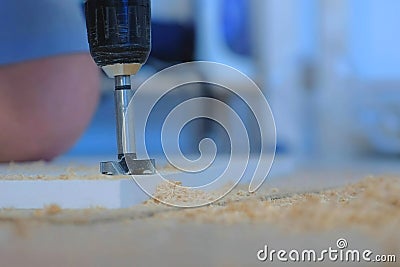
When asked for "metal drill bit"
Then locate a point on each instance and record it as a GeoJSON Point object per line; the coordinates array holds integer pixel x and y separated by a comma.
{"type": "Point", "coordinates": [125, 126]}
{"type": "Point", "coordinates": [127, 163]}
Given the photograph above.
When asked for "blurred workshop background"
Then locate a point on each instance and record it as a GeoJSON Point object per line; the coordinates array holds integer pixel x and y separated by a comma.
{"type": "Point", "coordinates": [330, 70]}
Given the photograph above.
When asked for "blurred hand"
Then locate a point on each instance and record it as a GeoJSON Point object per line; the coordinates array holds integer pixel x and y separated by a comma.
{"type": "Point", "coordinates": [45, 105]}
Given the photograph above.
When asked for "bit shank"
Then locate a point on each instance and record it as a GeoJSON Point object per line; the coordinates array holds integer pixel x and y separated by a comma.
{"type": "Point", "coordinates": [127, 163]}
{"type": "Point", "coordinates": [125, 122]}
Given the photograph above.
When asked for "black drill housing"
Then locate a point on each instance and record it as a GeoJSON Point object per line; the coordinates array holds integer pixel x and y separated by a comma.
{"type": "Point", "coordinates": [119, 31]}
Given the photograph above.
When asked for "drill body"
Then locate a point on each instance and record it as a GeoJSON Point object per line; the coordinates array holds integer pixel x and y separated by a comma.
{"type": "Point", "coordinates": [119, 31]}
{"type": "Point", "coordinates": [119, 36]}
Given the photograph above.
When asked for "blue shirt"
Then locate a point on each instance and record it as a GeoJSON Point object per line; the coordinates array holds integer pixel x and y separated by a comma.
{"type": "Point", "coordinates": [32, 29]}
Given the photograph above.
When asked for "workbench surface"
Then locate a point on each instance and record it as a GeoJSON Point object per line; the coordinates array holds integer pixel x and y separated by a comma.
{"type": "Point", "coordinates": [360, 204]}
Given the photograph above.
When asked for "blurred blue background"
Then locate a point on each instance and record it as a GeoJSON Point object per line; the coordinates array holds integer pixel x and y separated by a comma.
{"type": "Point", "coordinates": [330, 70]}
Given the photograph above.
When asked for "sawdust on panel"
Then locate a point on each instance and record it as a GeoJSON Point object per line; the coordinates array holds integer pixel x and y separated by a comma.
{"type": "Point", "coordinates": [173, 193]}
{"type": "Point", "coordinates": [51, 209]}
{"type": "Point", "coordinates": [372, 204]}
{"type": "Point", "coordinates": [42, 170]}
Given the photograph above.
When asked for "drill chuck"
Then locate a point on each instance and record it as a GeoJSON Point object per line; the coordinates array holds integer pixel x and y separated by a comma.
{"type": "Point", "coordinates": [119, 31]}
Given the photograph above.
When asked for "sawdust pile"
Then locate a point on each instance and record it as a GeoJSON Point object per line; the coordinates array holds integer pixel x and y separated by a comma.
{"type": "Point", "coordinates": [41, 170]}
{"type": "Point", "coordinates": [371, 204]}
{"type": "Point", "coordinates": [34, 171]}
{"type": "Point", "coordinates": [172, 193]}
{"type": "Point", "coordinates": [52, 209]}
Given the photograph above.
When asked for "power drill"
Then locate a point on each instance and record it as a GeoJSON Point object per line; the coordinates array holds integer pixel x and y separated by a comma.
{"type": "Point", "coordinates": [119, 35]}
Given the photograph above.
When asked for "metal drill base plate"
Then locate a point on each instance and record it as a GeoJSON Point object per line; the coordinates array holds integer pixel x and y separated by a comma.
{"type": "Point", "coordinates": [128, 165]}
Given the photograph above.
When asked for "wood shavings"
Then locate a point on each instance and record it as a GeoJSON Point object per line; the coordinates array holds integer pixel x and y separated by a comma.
{"type": "Point", "coordinates": [51, 209]}
{"type": "Point", "coordinates": [372, 204]}
{"type": "Point", "coordinates": [229, 232]}
{"type": "Point", "coordinates": [173, 193]}
{"type": "Point", "coordinates": [48, 172]}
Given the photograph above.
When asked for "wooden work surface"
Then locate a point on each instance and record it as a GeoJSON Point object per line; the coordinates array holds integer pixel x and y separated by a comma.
{"type": "Point", "coordinates": [229, 233]}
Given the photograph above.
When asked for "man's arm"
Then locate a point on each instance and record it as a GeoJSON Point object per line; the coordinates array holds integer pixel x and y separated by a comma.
{"type": "Point", "coordinates": [45, 105]}
{"type": "Point", "coordinates": [48, 81]}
